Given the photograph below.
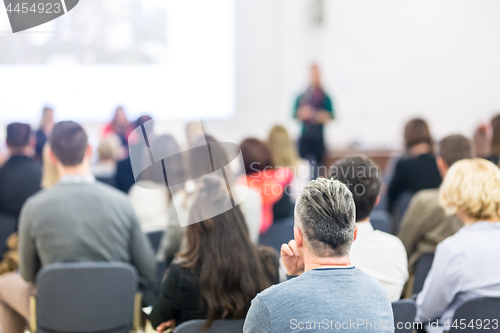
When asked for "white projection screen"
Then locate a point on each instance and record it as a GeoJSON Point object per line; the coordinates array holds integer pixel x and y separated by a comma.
{"type": "Point", "coordinates": [173, 59]}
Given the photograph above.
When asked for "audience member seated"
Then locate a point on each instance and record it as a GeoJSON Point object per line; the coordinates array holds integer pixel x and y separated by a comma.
{"type": "Point", "coordinates": [76, 220]}
{"type": "Point", "coordinates": [119, 126]}
{"type": "Point", "coordinates": [220, 271]}
{"type": "Point", "coordinates": [495, 140]}
{"type": "Point", "coordinates": [251, 206]}
{"type": "Point", "coordinates": [329, 289]}
{"type": "Point", "coordinates": [482, 144]}
{"type": "Point", "coordinates": [467, 264]}
{"type": "Point", "coordinates": [425, 223]}
{"type": "Point", "coordinates": [105, 168]}
{"type": "Point", "coordinates": [50, 174]}
{"type": "Point", "coordinates": [43, 132]}
{"type": "Point", "coordinates": [20, 177]}
{"type": "Point", "coordinates": [150, 196]}
{"type": "Point", "coordinates": [377, 253]}
{"type": "Point", "coordinates": [261, 175]}
{"type": "Point", "coordinates": [417, 169]}
{"type": "Point", "coordinates": [124, 173]}
{"type": "Point", "coordinates": [285, 155]}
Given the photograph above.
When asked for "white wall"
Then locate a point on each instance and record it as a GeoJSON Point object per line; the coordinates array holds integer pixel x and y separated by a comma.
{"type": "Point", "coordinates": [382, 61]}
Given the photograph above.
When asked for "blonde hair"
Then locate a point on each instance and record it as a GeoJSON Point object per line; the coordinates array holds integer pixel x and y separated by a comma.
{"type": "Point", "coordinates": [282, 148]}
{"type": "Point", "coordinates": [472, 187]}
{"type": "Point", "coordinates": [50, 175]}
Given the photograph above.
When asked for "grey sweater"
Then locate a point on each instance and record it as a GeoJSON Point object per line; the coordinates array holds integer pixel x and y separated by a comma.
{"type": "Point", "coordinates": [81, 220]}
{"type": "Point", "coordinates": [322, 300]}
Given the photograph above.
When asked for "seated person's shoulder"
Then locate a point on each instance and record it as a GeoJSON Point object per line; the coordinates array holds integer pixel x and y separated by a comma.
{"type": "Point", "coordinates": [426, 196]}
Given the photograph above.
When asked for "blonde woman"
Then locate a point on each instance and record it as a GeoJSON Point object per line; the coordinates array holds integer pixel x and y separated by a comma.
{"type": "Point", "coordinates": [467, 264]}
{"type": "Point", "coordinates": [50, 175]}
{"type": "Point", "coordinates": [285, 155]}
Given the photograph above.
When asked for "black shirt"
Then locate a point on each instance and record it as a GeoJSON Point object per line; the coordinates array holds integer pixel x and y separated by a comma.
{"type": "Point", "coordinates": [180, 297]}
{"type": "Point", "coordinates": [20, 178]}
{"type": "Point", "coordinates": [413, 174]}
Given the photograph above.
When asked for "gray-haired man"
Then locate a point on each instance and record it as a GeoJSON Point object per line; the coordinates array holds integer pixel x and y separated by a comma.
{"type": "Point", "coordinates": [329, 294]}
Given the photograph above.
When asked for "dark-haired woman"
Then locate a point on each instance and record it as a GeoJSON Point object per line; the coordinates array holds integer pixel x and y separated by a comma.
{"type": "Point", "coordinates": [270, 182]}
{"type": "Point", "coordinates": [221, 270]}
{"type": "Point", "coordinates": [417, 170]}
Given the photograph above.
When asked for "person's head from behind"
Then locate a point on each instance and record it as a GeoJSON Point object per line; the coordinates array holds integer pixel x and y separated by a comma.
{"type": "Point", "coordinates": [220, 250]}
{"type": "Point", "coordinates": [69, 148]}
{"type": "Point", "coordinates": [417, 133]}
{"type": "Point", "coordinates": [471, 189]}
{"type": "Point", "coordinates": [362, 176]}
{"type": "Point", "coordinates": [256, 155]}
{"type": "Point", "coordinates": [495, 139]}
{"type": "Point", "coordinates": [282, 147]}
{"type": "Point", "coordinates": [20, 139]}
{"type": "Point", "coordinates": [325, 221]}
{"type": "Point", "coordinates": [453, 148]}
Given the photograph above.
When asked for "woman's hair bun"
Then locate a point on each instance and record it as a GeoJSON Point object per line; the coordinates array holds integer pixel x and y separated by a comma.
{"type": "Point", "coordinates": [212, 183]}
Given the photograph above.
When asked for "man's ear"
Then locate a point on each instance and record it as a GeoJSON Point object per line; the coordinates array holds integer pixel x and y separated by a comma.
{"type": "Point", "coordinates": [299, 239]}
{"type": "Point", "coordinates": [442, 166]}
{"type": "Point", "coordinates": [33, 141]}
{"type": "Point", "coordinates": [89, 151]}
{"type": "Point", "coordinates": [377, 201]}
{"type": "Point", "coordinates": [52, 156]}
{"type": "Point", "coordinates": [356, 231]}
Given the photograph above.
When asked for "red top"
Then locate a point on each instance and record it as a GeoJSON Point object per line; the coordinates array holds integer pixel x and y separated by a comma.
{"type": "Point", "coordinates": [271, 185]}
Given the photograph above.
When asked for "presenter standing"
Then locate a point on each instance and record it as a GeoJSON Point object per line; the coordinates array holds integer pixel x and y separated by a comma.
{"type": "Point", "coordinates": [314, 109]}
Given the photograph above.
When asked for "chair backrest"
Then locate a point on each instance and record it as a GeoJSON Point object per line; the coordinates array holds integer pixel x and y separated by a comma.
{"type": "Point", "coordinates": [155, 239]}
{"type": "Point", "coordinates": [218, 326]}
{"type": "Point", "coordinates": [86, 297]}
{"type": "Point", "coordinates": [477, 315]}
{"type": "Point", "coordinates": [380, 220]}
{"type": "Point", "coordinates": [404, 315]}
{"type": "Point", "coordinates": [402, 203]}
{"type": "Point", "coordinates": [280, 232]}
{"type": "Point", "coordinates": [8, 225]}
{"type": "Point", "coordinates": [423, 267]}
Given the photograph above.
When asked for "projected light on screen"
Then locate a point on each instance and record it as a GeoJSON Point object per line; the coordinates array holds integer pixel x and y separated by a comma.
{"type": "Point", "coordinates": [173, 59]}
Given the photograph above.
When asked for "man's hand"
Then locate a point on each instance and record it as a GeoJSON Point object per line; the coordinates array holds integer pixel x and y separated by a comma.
{"type": "Point", "coordinates": [305, 112]}
{"type": "Point", "coordinates": [323, 117]}
{"type": "Point", "coordinates": [293, 263]}
{"type": "Point", "coordinates": [163, 327]}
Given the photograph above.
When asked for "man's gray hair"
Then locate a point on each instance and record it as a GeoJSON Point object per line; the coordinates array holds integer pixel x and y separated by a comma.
{"type": "Point", "coordinates": [326, 215]}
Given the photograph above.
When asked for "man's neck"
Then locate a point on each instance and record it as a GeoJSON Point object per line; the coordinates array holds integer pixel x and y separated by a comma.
{"type": "Point", "coordinates": [313, 262]}
{"type": "Point", "coordinates": [78, 170]}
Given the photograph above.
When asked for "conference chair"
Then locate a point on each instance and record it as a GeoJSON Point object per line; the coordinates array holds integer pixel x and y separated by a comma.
{"type": "Point", "coordinates": [280, 232]}
{"type": "Point", "coordinates": [478, 315]}
{"type": "Point", "coordinates": [218, 326]}
{"type": "Point", "coordinates": [8, 225]}
{"type": "Point", "coordinates": [155, 239]}
{"type": "Point", "coordinates": [404, 315]}
{"type": "Point", "coordinates": [401, 206]}
{"type": "Point", "coordinates": [86, 297]}
{"type": "Point", "coordinates": [380, 220]}
{"type": "Point", "coordinates": [423, 266]}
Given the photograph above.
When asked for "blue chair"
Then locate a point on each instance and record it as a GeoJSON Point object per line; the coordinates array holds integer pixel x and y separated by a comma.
{"type": "Point", "coordinates": [423, 266]}
{"type": "Point", "coordinates": [404, 315]}
{"type": "Point", "coordinates": [155, 239]}
{"type": "Point", "coordinates": [8, 225]}
{"type": "Point", "coordinates": [477, 315]}
{"type": "Point", "coordinates": [401, 206]}
{"type": "Point", "coordinates": [86, 297]}
{"type": "Point", "coordinates": [280, 232]}
{"type": "Point", "coordinates": [380, 220]}
{"type": "Point", "coordinates": [218, 326]}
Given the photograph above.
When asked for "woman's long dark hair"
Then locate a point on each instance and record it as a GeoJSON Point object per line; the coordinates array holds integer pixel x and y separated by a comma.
{"type": "Point", "coordinates": [219, 249]}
